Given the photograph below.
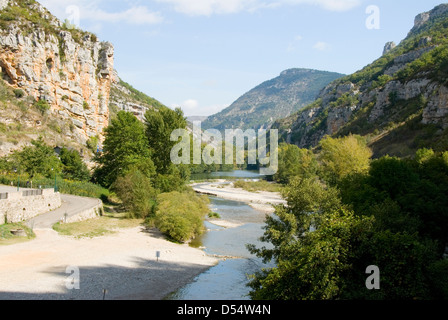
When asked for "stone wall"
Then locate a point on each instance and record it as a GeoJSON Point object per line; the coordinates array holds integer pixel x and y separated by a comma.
{"type": "Point", "coordinates": [88, 214]}
{"type": "Point", "coordinates": [18, 207]}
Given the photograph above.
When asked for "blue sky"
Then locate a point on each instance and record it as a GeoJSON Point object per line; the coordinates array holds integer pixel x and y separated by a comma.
{"type": "Point", "coordinates": [202, 55]}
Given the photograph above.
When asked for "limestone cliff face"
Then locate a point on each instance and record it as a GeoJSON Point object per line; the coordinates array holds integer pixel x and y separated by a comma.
{"type": "Point", "coordinates": [74, 76]}
{"type": "Point", "coordinates": [123, 99]}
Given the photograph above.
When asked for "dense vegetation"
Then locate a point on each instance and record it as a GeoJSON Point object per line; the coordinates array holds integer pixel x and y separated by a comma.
{"type": "Point", "coordinates": [346, 212]}
{"type": "Point", "coordinates": [39, 165]}
{"type": "Point", "coordinates": [136, 165]}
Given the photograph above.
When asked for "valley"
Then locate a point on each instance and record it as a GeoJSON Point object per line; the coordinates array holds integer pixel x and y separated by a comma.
{"type": "Point", "coordinates": [359, 179]}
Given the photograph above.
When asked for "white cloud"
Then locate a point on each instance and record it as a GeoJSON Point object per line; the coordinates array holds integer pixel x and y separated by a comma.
{"type": "Point", "coordinates": [292, 46]}
{"type": "Point", "coordinates": [210, 7]}
{"type": "Point", "coordinates": [192, 107]}
{"type": "Point", "coordinates": [90, 10]}
{"type": "Point", "coordinates": [191, 104]}
{"type": "Point", "coordinates": [141, 14]}
{"type": "Point", "coordinates": [331, 5]}
{"type": "Point", "coordinates": [321, 46]}
{"type": "Point", "coordinates": [134, 15]}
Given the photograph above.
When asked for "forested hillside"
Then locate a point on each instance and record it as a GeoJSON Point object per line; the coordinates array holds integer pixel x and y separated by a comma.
{"type": "Point", "coordinates": [272, 100]}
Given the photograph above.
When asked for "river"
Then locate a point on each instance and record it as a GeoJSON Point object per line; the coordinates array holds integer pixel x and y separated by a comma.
{"type": "Point", "coordinates": [236, 174]}
{"type": "Point", "coordinates": [228, 279]}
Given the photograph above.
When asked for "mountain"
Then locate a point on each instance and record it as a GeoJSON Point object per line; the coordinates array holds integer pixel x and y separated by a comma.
{"type": "Point", "coordinates": [272, 100]}
{"type": "Point", "coordinates": [399, 102]}
{"type": "Point", "coordinates": [59, 82]}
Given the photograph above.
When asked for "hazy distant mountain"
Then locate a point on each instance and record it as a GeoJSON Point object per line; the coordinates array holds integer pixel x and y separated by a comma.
{"type": "Point", "coordinates": [274, 99]}
{"type": "Point", "coordinates": [196, 118]}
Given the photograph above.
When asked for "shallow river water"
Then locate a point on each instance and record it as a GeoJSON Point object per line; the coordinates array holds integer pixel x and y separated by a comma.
{"type": "Point", "coordinates": [228, 279]}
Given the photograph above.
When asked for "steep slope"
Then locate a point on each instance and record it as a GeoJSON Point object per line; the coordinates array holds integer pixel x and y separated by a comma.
{"type": "Point", "coordinates": [67, 70]}
{"type": "Point", "coordinates": [124, 97]}
{"type": "Point", "coordinates": [272, 100]}
{"type": "Point", "coordinates": [59, 82]}
{"type": "Point", "coordinates": [399, 102]}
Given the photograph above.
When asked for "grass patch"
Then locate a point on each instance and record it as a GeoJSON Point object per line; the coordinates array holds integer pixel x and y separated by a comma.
{"type": "Point", "coordinates": [106, 225]}
{"type": "Point", "coordinates": [8, 238]}
{"type": "Point", "coordinates": [214, 215]}
{"type": "Point", "coordinates": [255, 186]}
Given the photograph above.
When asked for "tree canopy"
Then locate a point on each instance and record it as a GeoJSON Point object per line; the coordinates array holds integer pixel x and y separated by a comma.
{"type": "Point", "coordinates": [354, 213]}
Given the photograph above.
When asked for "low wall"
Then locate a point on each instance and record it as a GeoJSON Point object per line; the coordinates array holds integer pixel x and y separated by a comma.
{"type": "Point", "coordinates": [24, 205]}
{"type": "Point", "coordinates": [88, 214]}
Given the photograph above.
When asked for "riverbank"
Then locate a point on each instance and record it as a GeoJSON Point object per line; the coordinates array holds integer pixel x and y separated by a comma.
{"type": "Point", "coordinates": [239, 225]}
{"type": "Point", "coordinates": [261, 200]}
{"type": "Point", "coordinates": [125, 264]}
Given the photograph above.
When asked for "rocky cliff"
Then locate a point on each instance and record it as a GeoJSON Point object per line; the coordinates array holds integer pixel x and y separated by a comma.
{"type": "Point", "coordinates": [67, 69]}
{"type": "Point", "coordinates": [126, 98]}
{"type": "Point", "coordinates": [59, 82]}
{"type": "Point", "coordinates": [399, 102]}
{"type": "Point", "coordinates": [272, 100]}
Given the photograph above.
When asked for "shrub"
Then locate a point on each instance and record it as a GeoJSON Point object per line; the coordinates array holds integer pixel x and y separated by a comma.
{"type": "Point", "coordinates": [92, 143]}
{"type": "Point", "coordinates": [136, 193]}
{"type": "Point", "coordinates": [19, 93]}
{"type": "Point", "coordinates": [42, 106]}
{"type": "Point", "coordinates": [181, 215]}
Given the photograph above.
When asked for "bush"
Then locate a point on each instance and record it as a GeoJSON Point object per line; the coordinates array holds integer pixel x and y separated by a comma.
{"type": "Point", "coordinates": [92, 144]}
{"type": "Point", "coordinates": [181, 215]}
{"type": "Point", "coordinates": [137, 194]}
{"type": "Point", "coordinates": [42, 106]}
{"type": "Point", "coordinates": [19, 93]}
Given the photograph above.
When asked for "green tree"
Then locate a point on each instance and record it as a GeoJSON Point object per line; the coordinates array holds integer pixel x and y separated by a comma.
{"type": "Point", "coordinates": [37, 159]}
{"type": "Point", "coordinates": [393, 216]}
{"type": "Point", "coordinates": [405, 263]}
{"type": "Point", "coordinates": [419, 189]}
{"type": "Point", "coordinates": [137, 194]}
{"type": "Point", "coordinates": [423, 155]}
{"type": "Point", "coordinates": [314, 264]}
{"type": "Point", "coordinates": [344, 156]}
{"type": "Point", "coordinates": [159, 126]}
{"type": "Point", "coordinates": [306, 200]}
{"type": "Point", "coordinates": [293, 161]}
{"type": "Point", "coordinates": [73, 166]}
{"type": "Point", "coordinates": [125, 147]}
{"type": "Point", "coordinates": [173, 180]}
